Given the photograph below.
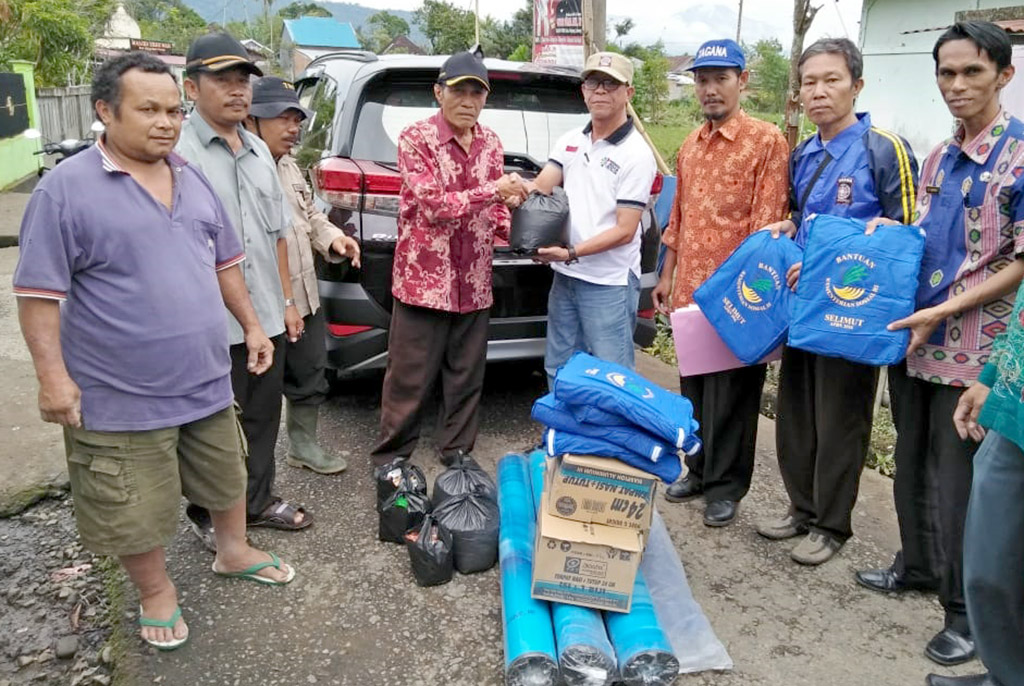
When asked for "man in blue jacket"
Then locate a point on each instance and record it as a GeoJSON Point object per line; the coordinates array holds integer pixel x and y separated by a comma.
{"type": "Point", "coordinates": [849, 168]}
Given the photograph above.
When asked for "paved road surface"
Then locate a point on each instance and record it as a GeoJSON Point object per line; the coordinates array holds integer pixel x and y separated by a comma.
{"type": "Point", "coordinates": [355, 617]}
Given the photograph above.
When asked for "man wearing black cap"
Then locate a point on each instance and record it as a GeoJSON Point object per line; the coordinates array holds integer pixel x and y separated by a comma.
{"type": "Point", "coordinates": [242, 172]}
{"type": "Point", "coordinates": [276, 116]}
{"type": "Point", "coordinates": [451, 206]}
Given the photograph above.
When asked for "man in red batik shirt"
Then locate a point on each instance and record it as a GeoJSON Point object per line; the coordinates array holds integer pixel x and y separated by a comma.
{"type": "Point", "coordinates": [454, 201]}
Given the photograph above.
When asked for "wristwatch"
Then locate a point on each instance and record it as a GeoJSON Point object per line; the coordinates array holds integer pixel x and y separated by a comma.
{"type": "Point", "coordinates": [573, 259]}
{"type": "Point", "coordinates": [289, 302]}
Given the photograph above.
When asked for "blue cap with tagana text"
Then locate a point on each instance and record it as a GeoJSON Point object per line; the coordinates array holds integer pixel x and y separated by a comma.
{"type": "Point", "coordinates": [719, 53]}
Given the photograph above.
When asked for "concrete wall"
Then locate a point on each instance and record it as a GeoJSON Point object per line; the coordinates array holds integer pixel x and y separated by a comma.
{"type": "Point", "coordinates": [16, 152]}
{"type": "Point", "coordinates": [899, 73]}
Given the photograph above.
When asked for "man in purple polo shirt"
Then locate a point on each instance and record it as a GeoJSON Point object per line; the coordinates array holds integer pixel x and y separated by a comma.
{"type": "Point", "coordinates": [126, 257]}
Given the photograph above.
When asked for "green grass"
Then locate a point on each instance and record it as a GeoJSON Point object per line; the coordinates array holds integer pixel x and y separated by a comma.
{"type": "Point", "coordinates": [115, 585]}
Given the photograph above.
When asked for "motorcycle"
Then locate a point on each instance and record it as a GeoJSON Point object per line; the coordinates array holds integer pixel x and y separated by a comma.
{"type": "Point", "coordinates": [65, 148]}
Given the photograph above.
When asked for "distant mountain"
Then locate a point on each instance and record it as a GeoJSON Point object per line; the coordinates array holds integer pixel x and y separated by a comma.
{"type": "Point", "coordinates": [222, 11]}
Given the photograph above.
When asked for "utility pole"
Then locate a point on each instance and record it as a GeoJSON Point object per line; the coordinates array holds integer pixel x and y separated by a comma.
{"type": "Point", "coordinates": [739, 22]}
{"type": "Point", "coordinates": [803, 15]}
{"type": "Point", "coordinates": [600, 23]}
{"type": "Point", "coordinates": [476, 17]}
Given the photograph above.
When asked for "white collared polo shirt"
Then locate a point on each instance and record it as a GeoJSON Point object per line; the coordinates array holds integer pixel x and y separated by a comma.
{"type": "Point", "coordinates": [600, 177]}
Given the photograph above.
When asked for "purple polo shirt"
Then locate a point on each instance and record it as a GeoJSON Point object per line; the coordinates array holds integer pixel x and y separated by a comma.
{"type": "Point", "coordinates": [144, 330]}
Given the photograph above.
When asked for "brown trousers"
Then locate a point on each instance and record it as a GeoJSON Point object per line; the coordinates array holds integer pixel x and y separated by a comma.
{"type": "Point", "coordinates": [422, 345]}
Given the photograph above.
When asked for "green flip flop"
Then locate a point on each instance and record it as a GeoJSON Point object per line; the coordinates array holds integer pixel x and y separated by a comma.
{"type": "Point", "coordinates": [173, 644]}
{"type": "Point", "coordinates": [251, 573]}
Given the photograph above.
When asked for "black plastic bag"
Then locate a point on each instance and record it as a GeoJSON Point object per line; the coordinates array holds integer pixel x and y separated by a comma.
{"type": "Point", "coordinates": [403, 510]}
{"type": "Point", "coordinates": [465, 476]}
{"type": "Point", "coordinates": [398, 475]}
{"type": "Point", "coordinates": [542, 221]}
{"type": "Point", "coordinates": [473, 520]}
{"type": "Point", "coordinates": [430, 552]}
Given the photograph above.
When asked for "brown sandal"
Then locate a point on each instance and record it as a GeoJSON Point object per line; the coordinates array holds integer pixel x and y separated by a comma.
{"type": "Point", "coordinates": [280, 514]}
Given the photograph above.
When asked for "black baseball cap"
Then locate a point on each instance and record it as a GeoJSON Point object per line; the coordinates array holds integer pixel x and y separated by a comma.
{"type": "Point", "coordinates": [272, 96]}
{"type": "Point", "coordinates": [216, 52]}
{"type": "Point", "coordinates": [463, 66]}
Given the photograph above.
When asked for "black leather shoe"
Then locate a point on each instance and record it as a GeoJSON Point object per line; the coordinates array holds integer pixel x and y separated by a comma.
{"type": "Point", "coordinates": [720, 512]}
{"type": "Point", "coordinates": [888, 581]}
{"type": "Point", "coordinates": [950, 647]}
{"type": "Point", "coordinates": [686, 489]}
{"type": "Point", "coordinates": [970, 680]}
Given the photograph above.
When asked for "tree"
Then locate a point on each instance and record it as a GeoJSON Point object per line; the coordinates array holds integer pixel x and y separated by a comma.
{"type": "Point", "coordinates": [502, 39]}
{"type": "Point", "coordinates": [523, 53]}
{"type": "Point", "coordinates": [171, 21]}
{"type": "Point", "coordinates": [769, 75]}
{"type": "Point", "coordinates": [303, 9]}
{"type": "Point", "coordinates": [650, 79]}
{"type": "Point", "coordinates": [381, 29]}
{"type": "Point", "coordinates": [447, 28]}
{"type": "Point", "coordinates": [803, 15]}
{"type": "Point", "coordinates": [622, 28]}
{"type": "Point", "coordinates": [55, 35]}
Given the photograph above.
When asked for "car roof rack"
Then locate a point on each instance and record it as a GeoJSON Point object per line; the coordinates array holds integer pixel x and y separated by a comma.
{"type": "Point", "coordinates": [357, 55]}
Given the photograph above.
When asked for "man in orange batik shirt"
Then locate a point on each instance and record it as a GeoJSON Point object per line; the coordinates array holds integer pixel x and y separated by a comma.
{"type": "Point", "coordinates": [733, 180]}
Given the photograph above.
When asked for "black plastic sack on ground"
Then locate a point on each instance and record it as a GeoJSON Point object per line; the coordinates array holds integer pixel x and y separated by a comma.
{"type": "Point", "coordinates": [465, 476]}
{"type": "Point", "coordinates": [430, 552]}
{"type": "Point", "coordinates": [398, 475]}
{"type": "Point", "coordinates": [473, 520]}
{"type": "Point", "coordinates": [542, 221]}
{"type": "Point", "coordinates": [403, 510]}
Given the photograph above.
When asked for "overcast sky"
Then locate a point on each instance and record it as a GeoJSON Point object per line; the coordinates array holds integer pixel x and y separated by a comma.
{"type": "Point", "coordinates": [684, 24]}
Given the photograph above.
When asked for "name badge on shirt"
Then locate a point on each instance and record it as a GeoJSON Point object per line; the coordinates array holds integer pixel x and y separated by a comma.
{"type": "Point", "coordinates": [844, 190]}
{"type": "Point", "coordinates": [932, 190]}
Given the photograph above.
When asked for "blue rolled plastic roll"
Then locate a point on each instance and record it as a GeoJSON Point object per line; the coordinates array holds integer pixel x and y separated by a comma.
{"type": "Point", "coordinates": [585, 655]}
{"type": "Point", "coordinates": [644, 653]}
{"type": "Point", "coordinates": [529, 635]}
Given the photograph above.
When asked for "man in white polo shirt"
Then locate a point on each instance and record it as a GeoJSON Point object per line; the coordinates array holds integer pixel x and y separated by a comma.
{"type": "Point", "coordinates": [607, 171]}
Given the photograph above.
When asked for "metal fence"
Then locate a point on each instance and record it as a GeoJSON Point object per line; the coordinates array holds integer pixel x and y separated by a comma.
{"type": "Point", "coordinates": [64, 112]}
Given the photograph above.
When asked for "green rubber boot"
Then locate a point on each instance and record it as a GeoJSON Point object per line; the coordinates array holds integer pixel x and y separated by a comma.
{"type": "Point", "coordinates": [303, 450]}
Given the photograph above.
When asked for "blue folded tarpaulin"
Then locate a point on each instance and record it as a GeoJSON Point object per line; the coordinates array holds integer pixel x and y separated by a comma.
{"type": "Point", "coordinates": [588, 381]}
{"type": "Point", "coordinates": [852, 286]}
{"type": "Point", "coordinates": [556, 442]}
{"type": "Point", "coordinates": [595, 415]}
{"type": "Point", "coordinates": [555, 414]}
{"type": "Point", "coordinates": [747, 300]}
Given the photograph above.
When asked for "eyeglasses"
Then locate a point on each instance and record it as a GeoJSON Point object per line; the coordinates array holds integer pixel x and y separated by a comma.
{"type": "Point", "coordinates": [592, 83]}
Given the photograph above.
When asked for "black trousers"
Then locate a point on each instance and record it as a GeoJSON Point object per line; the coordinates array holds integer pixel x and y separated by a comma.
{"type": "Point", "coordinates": [822, 436]}
{"type": "Point", "coordinates": [260, 399]}
{"type": "Point", "coordinates": [726, 405]}
{"type": "Point", "coordinates": [425, 344]}
{"type": "Point", "coordinates": [305, 363]}
{"type": "Point", "coordinates": [932, 488]}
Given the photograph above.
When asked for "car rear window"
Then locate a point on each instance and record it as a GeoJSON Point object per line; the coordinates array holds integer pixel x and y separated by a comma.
{"type": "Point", "coordinates": [528, 113]}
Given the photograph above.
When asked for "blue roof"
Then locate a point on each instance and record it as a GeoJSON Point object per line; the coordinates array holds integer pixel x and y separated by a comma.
{"type": "Point", "coordinates": [321, 32]}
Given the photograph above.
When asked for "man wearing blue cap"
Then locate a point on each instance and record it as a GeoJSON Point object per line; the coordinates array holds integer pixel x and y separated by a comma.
{"type": "Point", "coordinates": [732, 181]}
{"type": "Point", "coordinates": [276, 117]}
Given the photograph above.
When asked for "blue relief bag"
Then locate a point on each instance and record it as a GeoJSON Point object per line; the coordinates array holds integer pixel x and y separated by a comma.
{"type": "Point", "coordinates": [557, 442]}
{"type": "Point", "coordinates": [555, 414]}
{"type": "Point", "coordinates": [747, 300]}
{"type": "Point", "coordinates": [852, 286]}
{"type": "Point", "coordinates": [588, 381]}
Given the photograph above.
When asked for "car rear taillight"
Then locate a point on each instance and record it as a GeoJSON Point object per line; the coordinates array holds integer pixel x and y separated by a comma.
{"type": "Point", "coordinates": [646, 314]}
{"type": "Point", "coordinates": [342, 330]}
{"type": "Point", "coordinates": [381, 190]}
{"type": "Point", "coordinates": [338, 182]}
{"type": "Point", "coordinates": [357, 185]}
{"type": "Point", "coordinates": [659, 183]}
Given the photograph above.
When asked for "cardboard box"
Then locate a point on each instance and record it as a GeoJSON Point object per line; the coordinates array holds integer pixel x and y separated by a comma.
{"type": "Point", "coordinates": [603, 491]}
{"type": "Point", "coordinates": [585, 564]}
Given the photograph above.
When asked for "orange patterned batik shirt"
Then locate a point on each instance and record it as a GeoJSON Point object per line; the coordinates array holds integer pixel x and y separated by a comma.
{"type": "Point", "coordinates": [731, 183]}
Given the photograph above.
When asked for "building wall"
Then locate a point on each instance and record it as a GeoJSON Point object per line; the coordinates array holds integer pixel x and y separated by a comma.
{"type": "Point", "coordinates": [17, 151]}
{"type": "Point", "coordinates": [899, 73]}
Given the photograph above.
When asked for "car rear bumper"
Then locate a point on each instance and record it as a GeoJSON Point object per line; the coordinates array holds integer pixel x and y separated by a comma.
{"type": "Point", "coordinates": [348, 304]}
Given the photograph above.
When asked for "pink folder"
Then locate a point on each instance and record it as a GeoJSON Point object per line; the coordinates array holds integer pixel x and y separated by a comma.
{"type": "Point", "coordinates": [699, 349]}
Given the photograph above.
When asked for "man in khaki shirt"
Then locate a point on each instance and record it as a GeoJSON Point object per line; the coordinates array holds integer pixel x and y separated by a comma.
{"type": "Point", "coordinates": [275, 116]}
